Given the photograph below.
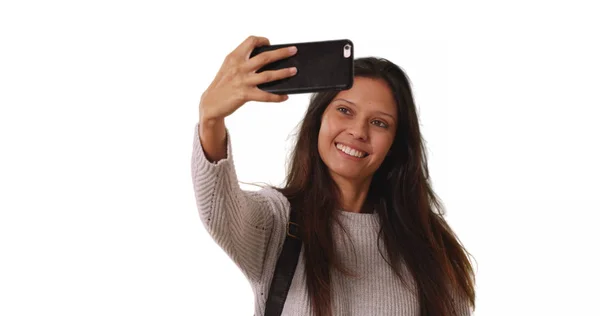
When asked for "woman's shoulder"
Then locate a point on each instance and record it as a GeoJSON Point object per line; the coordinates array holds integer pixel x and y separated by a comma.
{"type": "Point", "coordinates": [276, 201]}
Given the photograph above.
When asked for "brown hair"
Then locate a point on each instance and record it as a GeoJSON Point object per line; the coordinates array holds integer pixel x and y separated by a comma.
{"type": "Point", "coordinates": [414, 234]}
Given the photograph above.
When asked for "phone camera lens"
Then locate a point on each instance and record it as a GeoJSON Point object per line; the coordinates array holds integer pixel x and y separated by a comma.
{"type": "Point", "coordinates": [347, 51]}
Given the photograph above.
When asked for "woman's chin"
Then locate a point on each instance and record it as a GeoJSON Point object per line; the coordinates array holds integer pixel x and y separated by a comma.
{"type": "Point", "coordinates": [347, 173]}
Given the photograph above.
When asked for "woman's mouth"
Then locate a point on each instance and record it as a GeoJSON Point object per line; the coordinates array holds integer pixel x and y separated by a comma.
{"type": "Point", "coordinates": [350, 152]}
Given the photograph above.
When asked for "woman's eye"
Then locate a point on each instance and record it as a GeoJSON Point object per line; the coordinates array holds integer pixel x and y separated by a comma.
{"type": "Point", "coordinates": [380, 124]}
{"type": "Point", "coordinates": [343, 109]}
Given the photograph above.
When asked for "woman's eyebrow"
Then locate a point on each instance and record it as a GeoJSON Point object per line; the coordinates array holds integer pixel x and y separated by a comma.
{"type": "Point", "coordinates": [379, 112]}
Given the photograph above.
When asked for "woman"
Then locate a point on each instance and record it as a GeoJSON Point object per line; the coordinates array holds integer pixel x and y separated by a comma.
{"type": "Point", "coordinates": [372, 243]}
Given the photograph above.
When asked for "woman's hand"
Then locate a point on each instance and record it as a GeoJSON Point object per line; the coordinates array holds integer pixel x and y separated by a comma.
{"type": "Point", "coordinates": [236, 82]}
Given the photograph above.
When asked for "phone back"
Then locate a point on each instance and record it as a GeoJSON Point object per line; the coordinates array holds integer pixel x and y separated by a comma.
{"type": "Point", "coordinates": [326, 65]}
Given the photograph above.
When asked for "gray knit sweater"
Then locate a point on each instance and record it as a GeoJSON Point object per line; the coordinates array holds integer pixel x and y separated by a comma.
{"type": "Point", "coordinates": [250, 227]}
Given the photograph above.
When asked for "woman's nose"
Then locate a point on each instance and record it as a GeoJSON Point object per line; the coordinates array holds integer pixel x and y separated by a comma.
{"type": "Point", "coordinates": [359, 130]}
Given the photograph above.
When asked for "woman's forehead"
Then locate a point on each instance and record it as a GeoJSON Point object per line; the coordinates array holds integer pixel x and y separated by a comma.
{"type": "Point", "coordinates": [371, 94]}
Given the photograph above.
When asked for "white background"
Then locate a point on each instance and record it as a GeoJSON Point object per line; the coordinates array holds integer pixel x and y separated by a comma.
{"type": "Point", "coordinates": [99, 101]}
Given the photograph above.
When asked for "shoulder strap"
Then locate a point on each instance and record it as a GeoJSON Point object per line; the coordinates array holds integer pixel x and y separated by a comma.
{"type": "Point", "coordinates": [285, 268]}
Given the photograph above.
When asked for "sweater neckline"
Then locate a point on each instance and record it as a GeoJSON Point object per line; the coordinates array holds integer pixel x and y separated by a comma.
{"type": "Point", "coordinates": [358, 219]}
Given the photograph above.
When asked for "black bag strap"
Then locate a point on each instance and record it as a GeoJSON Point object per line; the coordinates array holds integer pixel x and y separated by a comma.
{"type": "Point", "coordinates": [285, 268]}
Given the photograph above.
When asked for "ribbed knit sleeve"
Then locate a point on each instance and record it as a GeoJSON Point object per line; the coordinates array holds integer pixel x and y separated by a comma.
{"type": "Point", "coordinates": [462, 304]}
{"type": "Point", "coordinates": [240, 222]}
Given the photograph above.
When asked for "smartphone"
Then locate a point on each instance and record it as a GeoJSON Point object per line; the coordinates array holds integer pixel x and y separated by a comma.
{"type": "Point", "coordinates": [324, 65]}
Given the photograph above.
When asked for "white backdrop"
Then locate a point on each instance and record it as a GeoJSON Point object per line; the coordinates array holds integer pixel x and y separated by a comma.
{"type": "Point", "coordinates": [99, 101]}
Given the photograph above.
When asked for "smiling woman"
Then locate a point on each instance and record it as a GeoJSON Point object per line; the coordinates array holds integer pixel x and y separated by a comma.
{"type": "Point", "coordinates": [358, 173]}
{"type": "Point", "coordinates": [336, 194]}
{"type": "Point", "coordinates": [357, 126]}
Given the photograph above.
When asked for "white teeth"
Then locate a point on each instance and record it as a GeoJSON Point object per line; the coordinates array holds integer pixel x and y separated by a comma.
{"type": "Point", "coordinates": [350, 151]}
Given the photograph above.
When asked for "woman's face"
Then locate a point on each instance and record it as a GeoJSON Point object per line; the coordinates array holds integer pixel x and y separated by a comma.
{"type": "Point", "coordinates": [357, 129]}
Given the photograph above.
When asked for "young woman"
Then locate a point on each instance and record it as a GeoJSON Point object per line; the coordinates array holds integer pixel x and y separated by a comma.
{"type": "Point", "coordinates": [374, 240]}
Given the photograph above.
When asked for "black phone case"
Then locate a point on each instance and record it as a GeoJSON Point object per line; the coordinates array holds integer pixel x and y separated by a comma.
{"type": "Point", "coordinates": [321, 66]}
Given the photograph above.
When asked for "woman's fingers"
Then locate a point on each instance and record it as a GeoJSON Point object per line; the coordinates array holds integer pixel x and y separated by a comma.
{"type": "Point", "coordinates": [246, 47]}
{"type": "Point", "coordinates": [263, 96]}
{"type": "Point", "coordinates": [271, 75]}
{"type": "Point", "coordinates": [268, 57]}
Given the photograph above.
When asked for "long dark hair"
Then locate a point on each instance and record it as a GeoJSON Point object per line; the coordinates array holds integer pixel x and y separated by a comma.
{"type": "Point", "coordinates": [413, 228]}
